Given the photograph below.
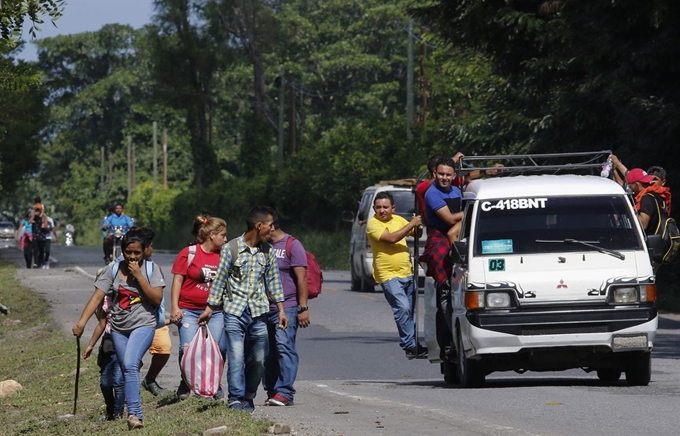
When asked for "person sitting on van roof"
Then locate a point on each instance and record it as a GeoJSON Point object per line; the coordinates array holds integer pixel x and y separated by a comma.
{"type": "Point", "coordinates": [657, 173]}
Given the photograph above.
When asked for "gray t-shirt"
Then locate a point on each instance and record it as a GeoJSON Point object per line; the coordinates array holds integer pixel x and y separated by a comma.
{"type": "Point", "coordinates": [131, 309]}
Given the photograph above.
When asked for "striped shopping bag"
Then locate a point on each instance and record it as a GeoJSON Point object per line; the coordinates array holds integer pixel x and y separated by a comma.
{"type": "Point", "coordinates": [202, 364]}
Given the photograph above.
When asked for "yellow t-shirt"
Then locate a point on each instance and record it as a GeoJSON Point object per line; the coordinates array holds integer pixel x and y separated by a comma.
{"type": "Point", "coordinates": [389, 260]}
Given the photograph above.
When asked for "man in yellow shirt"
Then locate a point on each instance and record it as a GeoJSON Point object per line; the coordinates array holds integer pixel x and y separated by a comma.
{"type": "Point", "coordinates": [392, 268]}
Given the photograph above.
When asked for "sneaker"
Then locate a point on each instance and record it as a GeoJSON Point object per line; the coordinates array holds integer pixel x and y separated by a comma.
{"type": "Point", "coordinates": [280, 400]}
{"type": "Point", "coordinates": [183, 391]}
{"type": "Point", "coordinates": [219, 395]}
{"type": "Point", "coordinates": [35, 266]}
{"type": "Point", "coordinates": [269, 397]}
{"type": "Point", "coordinates": [417, 352]}
{"type": "Point", "coordinates": [46, 266]}
{"type": "Point", "coordinates": [234, 404]}
{"type": "Point", "coordinates": [153, 387]}
{"type": "Point", "coordinates": [134, 422]}
{"type": "Point", "coordinates": [248, 405]}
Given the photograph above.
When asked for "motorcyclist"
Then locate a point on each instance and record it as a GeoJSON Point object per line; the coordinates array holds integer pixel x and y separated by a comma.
{"type": "Point", "coordinates": [116, 219]}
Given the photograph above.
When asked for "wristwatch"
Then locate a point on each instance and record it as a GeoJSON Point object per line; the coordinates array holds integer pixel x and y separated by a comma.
{"type": "Point", "coordinates": [301, 309]}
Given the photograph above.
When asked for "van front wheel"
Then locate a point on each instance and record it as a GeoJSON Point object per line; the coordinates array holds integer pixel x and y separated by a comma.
{"type": "Point", "coordinates": [639, 369]}
{"type": "Point", "coordinates": [355, 281]}
{"type": "Point", "coordinates": [470, 372]}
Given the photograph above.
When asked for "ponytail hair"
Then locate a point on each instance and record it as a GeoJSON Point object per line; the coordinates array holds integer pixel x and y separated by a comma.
{"type": "Point", "coordinates": [204, 225]}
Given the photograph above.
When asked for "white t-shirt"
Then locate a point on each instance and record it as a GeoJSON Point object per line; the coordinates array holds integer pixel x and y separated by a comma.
{"type": "Point", "coordinates": [49, 235]}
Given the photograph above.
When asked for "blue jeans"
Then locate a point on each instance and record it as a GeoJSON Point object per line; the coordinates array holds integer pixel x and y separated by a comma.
{"type": "Point", "coordinates": [130, 348]}
{"type": "Point", "coordinates": [188, 327]}
{"type": "Point", "coordinates": [247, 345]}
{"type": "Point", "coordinates": [399, 293]}
{"type": "Point", "coordinates": [280, 368]}
{"type": "Point", "coordinates": [111, 383]}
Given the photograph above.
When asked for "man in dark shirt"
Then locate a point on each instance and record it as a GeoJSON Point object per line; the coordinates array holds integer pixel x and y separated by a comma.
{"type": "Point", "coordinates": [650, 199]}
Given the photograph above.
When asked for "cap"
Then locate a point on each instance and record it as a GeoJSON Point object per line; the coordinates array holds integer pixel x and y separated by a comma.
{"type": "Point", "coordinates": [638, 175]}
{"type": "Point", "coordinates": [657, 171]}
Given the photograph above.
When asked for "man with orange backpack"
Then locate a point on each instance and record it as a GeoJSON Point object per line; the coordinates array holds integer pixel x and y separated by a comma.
{"type": "Point", "coordinates": [281, 364]}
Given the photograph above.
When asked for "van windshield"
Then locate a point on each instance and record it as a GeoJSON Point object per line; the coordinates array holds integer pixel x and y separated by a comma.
{"type": "Point", "coordinates": [513, 225]}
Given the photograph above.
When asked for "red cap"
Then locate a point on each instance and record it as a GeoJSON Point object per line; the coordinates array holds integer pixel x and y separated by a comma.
{"type": "Point", "coordinates": [638, 175]}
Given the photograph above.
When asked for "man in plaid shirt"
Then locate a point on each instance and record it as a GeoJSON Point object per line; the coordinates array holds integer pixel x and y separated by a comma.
{"type": "Point", "coordinates": [243, 289]}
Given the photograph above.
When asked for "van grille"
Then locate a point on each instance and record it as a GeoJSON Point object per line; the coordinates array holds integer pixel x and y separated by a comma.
{"type": "Point", "coordinates": [563, 330]}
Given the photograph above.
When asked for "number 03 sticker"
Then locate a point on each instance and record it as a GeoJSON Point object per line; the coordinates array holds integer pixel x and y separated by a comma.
{"type": "Point", "coordinates": [496, 264]}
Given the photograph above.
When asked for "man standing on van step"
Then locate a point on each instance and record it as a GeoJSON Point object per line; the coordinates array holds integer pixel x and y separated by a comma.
{"type": "Point", "coordinates": [281, 365]}
{"type": "Point", "coordinates": [393, 270]}
{"type": "Point", "coordinates": [442, 212]}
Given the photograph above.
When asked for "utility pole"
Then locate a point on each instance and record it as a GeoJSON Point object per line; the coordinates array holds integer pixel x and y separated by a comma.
{"type": "Point", "coordinates": [103, 158]}
{"type": "Point", "coordinates": [423, 84]}
{"type": "Point", "coordinates": [155, 155]}
{"type": "Point", "coordinates": [110, 169]}
{"type": "Point", "coordinates": [409, 83]}
{"type": "Point", "coordinates": [134, 166]}
{"type": "Point", "coordinates": [282, 94]}
{"type": "Point", "coordinates": [291, 121]}
{"type": "Point", "coordinates": [129, 167]}
{"type": "Point", "coordinates": [165, 158]}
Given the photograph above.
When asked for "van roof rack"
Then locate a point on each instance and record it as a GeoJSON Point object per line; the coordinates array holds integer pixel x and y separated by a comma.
{"type": "Point", "coordinates": [553, 163]}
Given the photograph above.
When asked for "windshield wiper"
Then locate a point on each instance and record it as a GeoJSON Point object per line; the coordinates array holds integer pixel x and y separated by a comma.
{"type": "Point", "coordinates": [614, 253]}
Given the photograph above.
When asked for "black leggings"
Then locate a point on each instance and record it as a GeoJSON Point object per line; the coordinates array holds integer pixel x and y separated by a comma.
{"type": "Point", "coordinates": [38, 252]}
{"type": "Point", "coordinates": [28, 251]}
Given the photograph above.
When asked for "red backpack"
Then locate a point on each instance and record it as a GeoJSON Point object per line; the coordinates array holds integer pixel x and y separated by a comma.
{"type": "Point", "coordinates": [314, 274]}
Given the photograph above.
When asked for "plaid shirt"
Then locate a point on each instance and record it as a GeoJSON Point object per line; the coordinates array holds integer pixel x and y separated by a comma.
{"type": "Point", "coordinates": [247, 288]}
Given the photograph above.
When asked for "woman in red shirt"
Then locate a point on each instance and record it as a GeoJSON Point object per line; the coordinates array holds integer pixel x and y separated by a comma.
{"type": "Point", "coordinates": [193, 272]}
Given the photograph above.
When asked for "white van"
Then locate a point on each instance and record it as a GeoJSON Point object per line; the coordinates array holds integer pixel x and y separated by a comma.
{"type": "Point", "coordinates": [360, 254]}
{"type": "Point", "coordinates": [552, 272]}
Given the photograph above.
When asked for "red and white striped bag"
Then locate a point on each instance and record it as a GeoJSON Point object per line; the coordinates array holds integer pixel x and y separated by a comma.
{"type": "Point", "coordinates": [202, 364]}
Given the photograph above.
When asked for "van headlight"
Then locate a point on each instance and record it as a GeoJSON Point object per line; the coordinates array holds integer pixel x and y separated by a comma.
{"type": "Point", "coordinates": [498, 300]}
{"type": "Point", "coordinates": [625, 295]}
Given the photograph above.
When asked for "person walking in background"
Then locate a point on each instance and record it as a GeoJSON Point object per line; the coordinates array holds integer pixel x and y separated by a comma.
{"type": "Point", "coordinates": [161, 345]}
{"type": "Point", "coordinates": [40, 230]}
{"type": "Point", "coordinates": [133, 315]}
{"type": "Point", "coordinates": [281, 365]}
{"type": "Point", "coordinates": [49, 236]}
{"type": "Point", "coordinates": [193, 272]}
{"type": "Point", "coordinates": [244, 286]}
{"type": "Point", "coordinates": [393, 270]}
{"type": "Point", "coordinates": [25, 238]}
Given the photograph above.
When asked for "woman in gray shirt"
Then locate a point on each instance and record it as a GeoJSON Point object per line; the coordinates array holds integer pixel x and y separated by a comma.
{"type": "Point", "coordinates": [133, 314]}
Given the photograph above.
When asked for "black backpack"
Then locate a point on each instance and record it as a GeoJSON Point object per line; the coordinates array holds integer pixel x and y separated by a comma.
{"type": "Point", "coordinates": [670, 235]}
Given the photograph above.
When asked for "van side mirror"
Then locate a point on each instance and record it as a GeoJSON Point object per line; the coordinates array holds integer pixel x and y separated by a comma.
{"type": "Point", "coordinates": [655, 245]}
{"type": "Point", "coordinates": [459, 252]}
{"type": "Point", "coordinates": [348, 216]}
{"type": "Point", "coordinates": [362, 215]}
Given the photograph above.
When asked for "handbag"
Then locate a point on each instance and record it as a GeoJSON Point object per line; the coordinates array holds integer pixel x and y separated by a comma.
{"type": "Point", "coordinates": [202, 364]}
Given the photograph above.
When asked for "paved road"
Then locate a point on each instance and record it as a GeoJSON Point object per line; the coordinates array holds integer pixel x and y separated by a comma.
{"type": "Point", "coordinates": [354, 379]}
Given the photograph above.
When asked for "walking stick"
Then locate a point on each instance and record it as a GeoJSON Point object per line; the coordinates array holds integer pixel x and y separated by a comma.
{"type": "Point", "coordinates": [75, 397]}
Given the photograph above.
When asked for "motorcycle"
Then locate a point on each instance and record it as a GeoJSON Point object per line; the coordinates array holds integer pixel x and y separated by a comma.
{"type": "Point", "coordinates": [118, 234]}
{"type": "Point", "coordinates": [69, 235]}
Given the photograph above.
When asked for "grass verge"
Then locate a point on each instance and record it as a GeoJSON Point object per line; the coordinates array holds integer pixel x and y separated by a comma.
{"type": "Point", "coordinates": [43, 360]}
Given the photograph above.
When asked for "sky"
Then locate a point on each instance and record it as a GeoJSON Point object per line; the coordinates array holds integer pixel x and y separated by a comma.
{"type": "Point", "coordinates": [90, 15]}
